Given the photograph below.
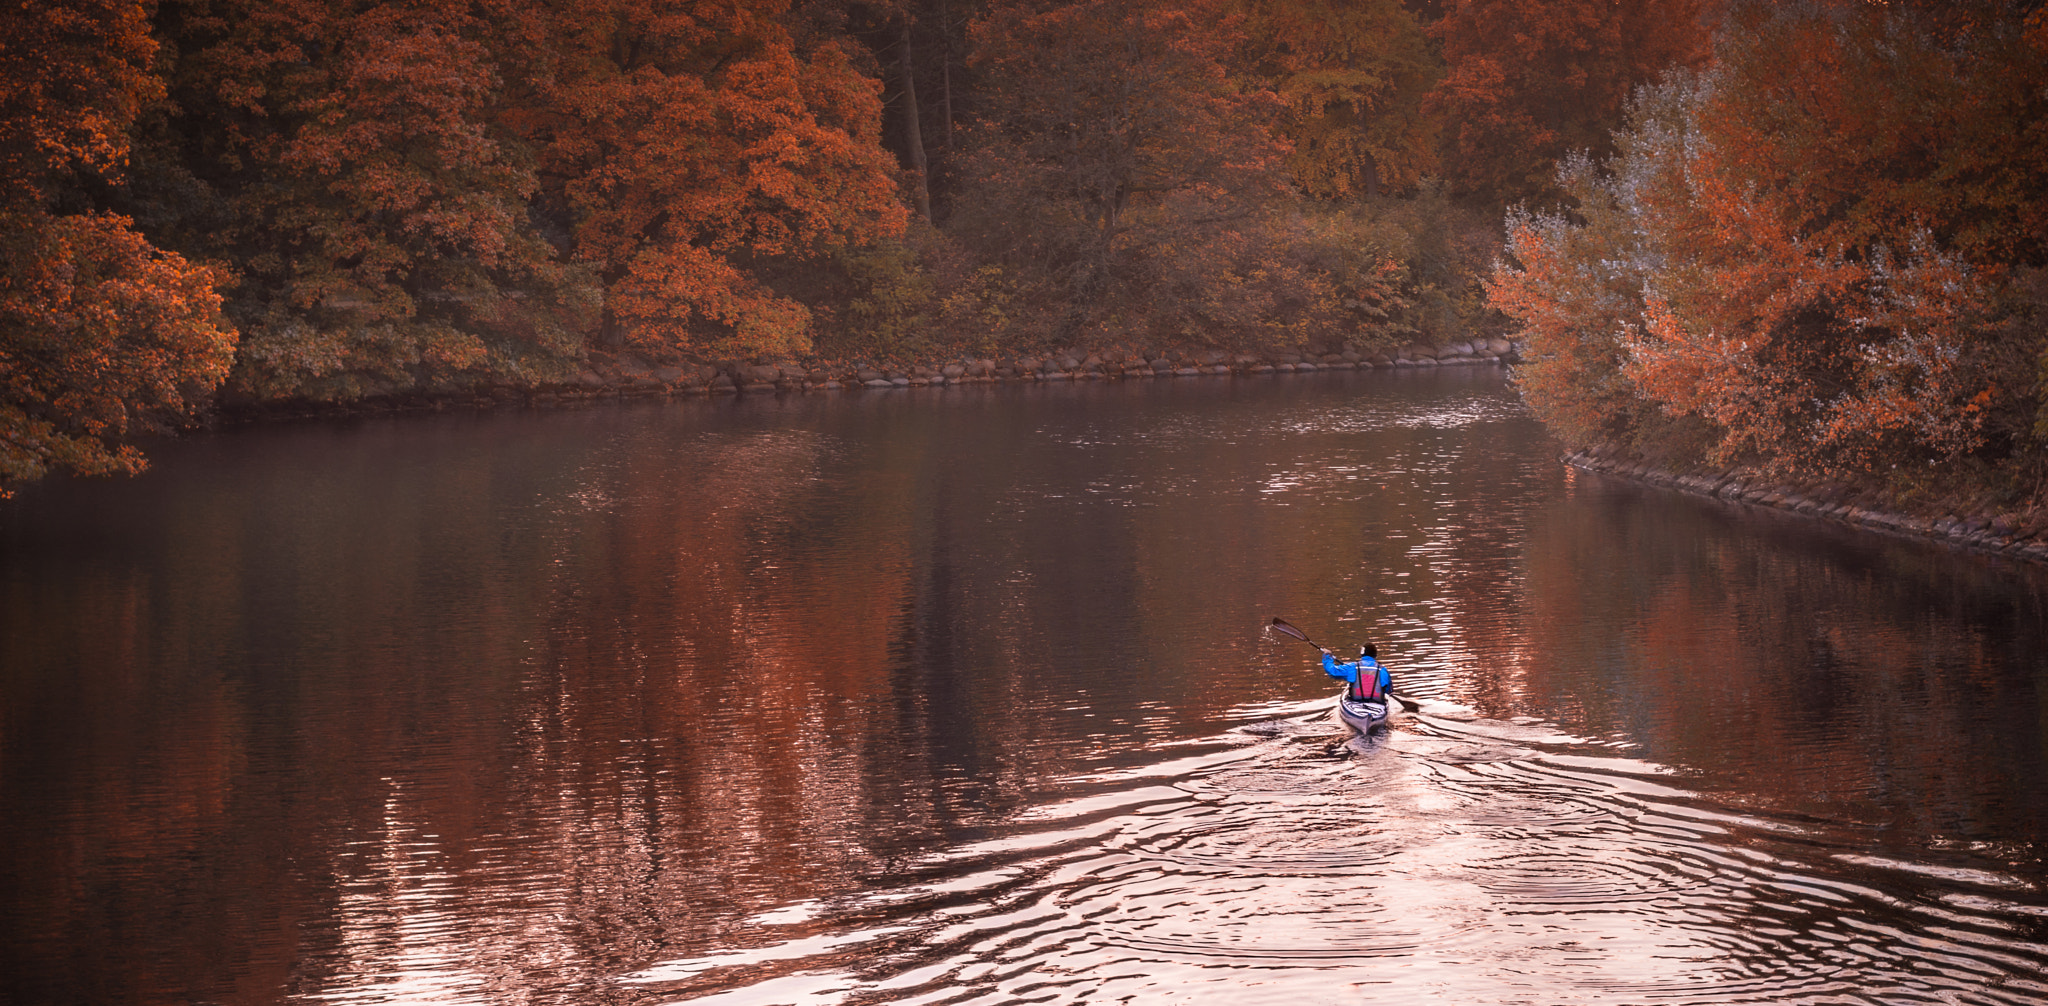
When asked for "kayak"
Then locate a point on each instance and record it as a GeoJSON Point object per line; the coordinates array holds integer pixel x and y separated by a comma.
{"type": "Point", "coordinates": [1361, 715]}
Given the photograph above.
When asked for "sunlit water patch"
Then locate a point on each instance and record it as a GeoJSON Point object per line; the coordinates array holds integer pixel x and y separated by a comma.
{"type": "Point", "coordinates": [1463, 860]}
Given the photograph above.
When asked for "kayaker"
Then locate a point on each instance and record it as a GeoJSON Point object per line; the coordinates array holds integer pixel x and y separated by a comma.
{"type": "Point", "coordinates": [1366, 676]}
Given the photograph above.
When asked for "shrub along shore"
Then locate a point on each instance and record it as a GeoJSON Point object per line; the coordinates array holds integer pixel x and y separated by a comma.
{"type": "Point", "coordinates": [1979, 525]}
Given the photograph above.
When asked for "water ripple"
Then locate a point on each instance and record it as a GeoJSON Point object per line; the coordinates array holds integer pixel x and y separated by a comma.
{"type": "Point", "coordinates": [1464, 860]}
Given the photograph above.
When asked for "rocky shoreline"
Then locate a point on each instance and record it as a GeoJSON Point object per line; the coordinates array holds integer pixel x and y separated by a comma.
{"type": "Point", "coordinates": [2018, 535]}
{"type": "Point", "coordinates": [627, 374]}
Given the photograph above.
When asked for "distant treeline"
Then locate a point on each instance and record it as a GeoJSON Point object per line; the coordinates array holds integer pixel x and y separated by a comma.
{"type": "Point", "coordinates": [268, 200]}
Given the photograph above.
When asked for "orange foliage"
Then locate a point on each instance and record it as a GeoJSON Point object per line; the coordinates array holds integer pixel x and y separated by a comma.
{"type": "Point", "coordinates": [1353, 76]}
{"type": "Point", "coordinates": [695, 142]}
{"type": "Point", "coordinates": [379, 218]}
{"type": "Point", "coordinates": [1529, 81]}
{"type": "Point", "coordinates": [1114, 132]}
{"type": "Point", "coordinates": [1805, 247]}
{"type": "Point", "coordinates": [73, 73]}
{"type": "Point", "coordinates": [100, 333]}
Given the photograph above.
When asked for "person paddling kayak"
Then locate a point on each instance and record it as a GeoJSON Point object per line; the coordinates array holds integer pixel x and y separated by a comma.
{"type": "Point", "coordinates": [1366, 676]}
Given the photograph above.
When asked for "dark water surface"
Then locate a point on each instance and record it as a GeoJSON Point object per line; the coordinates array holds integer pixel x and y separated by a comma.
{"type": "Point", "coordinates": [962, 696]}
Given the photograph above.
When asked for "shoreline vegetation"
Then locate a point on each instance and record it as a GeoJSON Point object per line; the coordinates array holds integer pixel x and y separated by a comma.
{"type": "Point", "coordinates": [1801, 238]}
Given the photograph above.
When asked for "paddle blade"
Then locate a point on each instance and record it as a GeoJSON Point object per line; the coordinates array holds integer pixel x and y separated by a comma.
{"type": "Point", "coordinates": [1281, 626]}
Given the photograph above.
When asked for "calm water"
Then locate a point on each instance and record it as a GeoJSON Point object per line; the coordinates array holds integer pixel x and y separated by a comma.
{"type": "Point", "coordinates": [962, 696]}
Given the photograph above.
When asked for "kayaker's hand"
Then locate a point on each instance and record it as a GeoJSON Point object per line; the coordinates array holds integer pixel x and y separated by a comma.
{"type": "Point", "coordinates": [1326, 650]}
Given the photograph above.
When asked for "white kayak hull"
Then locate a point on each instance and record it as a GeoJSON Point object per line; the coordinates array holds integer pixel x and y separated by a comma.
{"type": "Point", "coordinates": [1361, 716]}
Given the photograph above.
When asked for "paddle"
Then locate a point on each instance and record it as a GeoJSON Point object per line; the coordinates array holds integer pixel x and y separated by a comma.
{"type": "Point", "coordinates": [1286, 628]}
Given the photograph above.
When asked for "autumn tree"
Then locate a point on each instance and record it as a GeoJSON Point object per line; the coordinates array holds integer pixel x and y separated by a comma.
{"type": "Point", "coordinates": [1353, 76]}
{"type": "Point", "coordinates": [1529, 81]}
{"type": "Point", "coordinates": [350, 162]}
{"type": "Point", "coordinates": [690, 148]}
{"type": "Point", "coordinates": [1824, 251]}
{"type": "Point", "coordinates": [101, 333]}
{"type": "Point", "coordinates": [1113, 137]}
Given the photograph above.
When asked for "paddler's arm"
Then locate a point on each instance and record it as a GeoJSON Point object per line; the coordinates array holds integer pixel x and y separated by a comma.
{"type": "Point", "coordinates": [1346, 673]}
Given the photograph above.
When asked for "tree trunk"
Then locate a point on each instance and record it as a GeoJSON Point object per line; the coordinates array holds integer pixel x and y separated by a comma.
{"type": "Point", "coordinates": [945, 80]}
{"type": "Point", "coordinates": [913, 136]}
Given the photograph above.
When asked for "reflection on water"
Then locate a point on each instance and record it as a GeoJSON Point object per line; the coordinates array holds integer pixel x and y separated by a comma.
{"type": "Point", "coordinates": [961, 697]}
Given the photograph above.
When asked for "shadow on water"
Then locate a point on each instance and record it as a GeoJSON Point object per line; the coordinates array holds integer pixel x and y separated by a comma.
{"type": "Point", "coordinates": [962, 696]}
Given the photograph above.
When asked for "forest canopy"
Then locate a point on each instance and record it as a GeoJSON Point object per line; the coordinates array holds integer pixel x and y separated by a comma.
{"type": "Point", "coordinates": [1803, 234]}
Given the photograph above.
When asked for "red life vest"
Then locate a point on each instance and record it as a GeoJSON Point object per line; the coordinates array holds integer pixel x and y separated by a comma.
{"type": "Point", "coordinates": [1366, 687]}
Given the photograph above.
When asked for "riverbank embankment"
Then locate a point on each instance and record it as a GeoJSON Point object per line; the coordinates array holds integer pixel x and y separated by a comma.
{"type": "Point", "coordinates": [2021, 535]}
{"type": "Point", "coordinates": [629, 375]}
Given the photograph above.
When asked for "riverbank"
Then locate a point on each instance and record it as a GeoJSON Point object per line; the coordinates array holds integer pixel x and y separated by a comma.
{"type": "Point", "coordinates": [629, 375]}
{"type": "Point", "coordinates": [2021, 534]}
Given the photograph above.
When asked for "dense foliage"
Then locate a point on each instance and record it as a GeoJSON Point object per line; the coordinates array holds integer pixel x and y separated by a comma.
{"type": "Point", "coordinates": [1810, 239]}
{"type": "Point", "coordinates": [1820, 254]}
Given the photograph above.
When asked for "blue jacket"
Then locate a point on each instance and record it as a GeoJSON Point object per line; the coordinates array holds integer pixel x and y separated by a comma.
{"type": "Point", "coordinates": [1367, 678]}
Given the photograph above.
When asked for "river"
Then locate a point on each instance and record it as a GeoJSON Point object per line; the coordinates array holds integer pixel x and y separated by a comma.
{"type": "Point", "coordinates": [965, 695]}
